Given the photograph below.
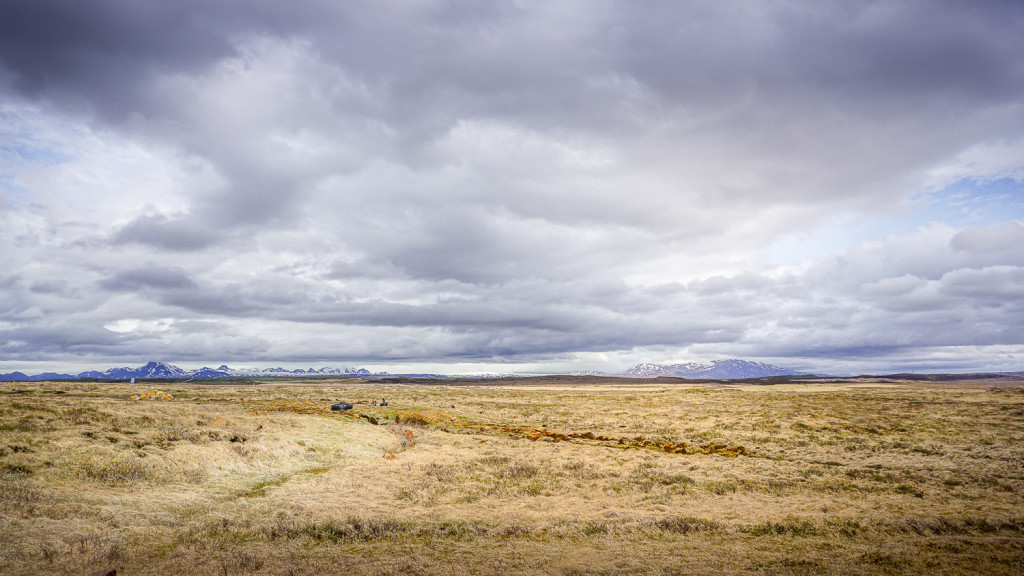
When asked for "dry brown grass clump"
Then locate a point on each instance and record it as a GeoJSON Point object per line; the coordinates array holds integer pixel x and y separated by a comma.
{"type": "Point", "coordinates": [648, 478]}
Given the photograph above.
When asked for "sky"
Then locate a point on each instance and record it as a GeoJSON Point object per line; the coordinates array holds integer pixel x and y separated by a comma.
{"type": "Point", "coordinates": [516, 186]}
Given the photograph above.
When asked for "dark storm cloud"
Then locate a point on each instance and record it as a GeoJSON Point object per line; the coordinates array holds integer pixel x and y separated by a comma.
{"type": "Point", "coordinates": [466, 59]}
{"type": "Point", "coordinates": [511, 181]}
{"type": "Point", "coordinates": [97, 52]}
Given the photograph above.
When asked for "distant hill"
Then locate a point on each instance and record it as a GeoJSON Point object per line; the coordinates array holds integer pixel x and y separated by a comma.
{"type": "Point", "coordinates": [14, 377]}
{"type": "Point", "coordinates": [715, 370]}
{"type": "Point", "coordinates": [162, 370]}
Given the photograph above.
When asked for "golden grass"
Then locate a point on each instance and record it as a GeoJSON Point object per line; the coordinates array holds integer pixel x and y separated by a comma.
{"type": "Point", "coordinates": [564, 478]}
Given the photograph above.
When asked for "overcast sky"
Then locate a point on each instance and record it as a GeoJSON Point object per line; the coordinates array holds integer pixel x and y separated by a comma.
{"type": "Point", "coordinates": [512, 186]}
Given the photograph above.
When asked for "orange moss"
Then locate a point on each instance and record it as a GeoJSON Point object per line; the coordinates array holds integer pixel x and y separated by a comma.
{"type": "Point", "coordinates": [450, 423]}
{"type": "Point", "coordinates": [153, 395]}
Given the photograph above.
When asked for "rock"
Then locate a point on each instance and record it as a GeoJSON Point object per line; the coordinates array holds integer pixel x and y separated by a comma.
{"type": "Point", "coordinates": [107, 572]}
{"type": "Point", "coordinates": [341, 406]}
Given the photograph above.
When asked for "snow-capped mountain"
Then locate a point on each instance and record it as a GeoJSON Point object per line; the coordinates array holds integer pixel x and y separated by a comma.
{"type": "Point", "coordinates": [715, 370]}
{"type": "Point", "coordinates": [326, 371]}
{"type": "Point", "coordinates": [150, 370]}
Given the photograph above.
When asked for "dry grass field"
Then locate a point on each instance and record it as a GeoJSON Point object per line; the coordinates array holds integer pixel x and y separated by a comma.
{"type": "Point", "coordinates": [558, 476]}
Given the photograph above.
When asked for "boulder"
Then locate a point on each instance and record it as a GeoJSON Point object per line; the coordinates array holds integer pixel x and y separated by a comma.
{"type": "Point", "coordinates": [341, 406]}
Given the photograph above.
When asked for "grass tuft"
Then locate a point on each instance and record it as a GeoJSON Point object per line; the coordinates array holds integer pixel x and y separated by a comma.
{"type": "Point", "coordinates": [116, 470]}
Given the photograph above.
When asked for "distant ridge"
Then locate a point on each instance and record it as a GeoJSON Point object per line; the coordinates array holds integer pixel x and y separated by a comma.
{"type": "Point", "coordinates": [162, 370]}
{"type": "Point", "coordinates": [731, 369]}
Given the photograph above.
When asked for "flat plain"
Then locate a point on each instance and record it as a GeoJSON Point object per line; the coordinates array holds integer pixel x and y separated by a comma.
{"type": "Point", "coordinates": [567, 475]}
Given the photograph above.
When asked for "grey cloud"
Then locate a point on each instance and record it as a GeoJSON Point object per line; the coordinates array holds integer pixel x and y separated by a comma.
{"type": "Point", "coordinates": [169, 286]}
{"type": "Point", "coordinates": [150, 276]}
{"type": "Point", "coordinates": [863, 50]}
{"type": "Point", "coordinates": [914, 50]}
{"type": "Point", "coordinates": [427, 75]}
{"type": "Point", "coordinates": [907, 294]}
{"type": "Point", "coordinates": [512, 181]}
{"type": "Point", "coordinates": [1001, 286]}
{"type": "Point", "coordinates": [11, 302]}
{"type": "Point", "coordinates": [177, 233]}
{"type": "Point", "coordinates": [457, 59]}
{"type": "Point", "coordinates": [801, 315]}
{"type": "Point", "coordinates": [211, 301]}
{"type": "Point", "coordinates": [1005, 237]}
{"type": "Point", "coordinates": [361, 268]}
{"type": "Point", "coordinates": [535, 314]}
{"type": "Point", "coordinates": [61, 288]}
{"type": "Point", "coordinates": [57, 339]}
{"type": "Point", "coordinates": [97, 52]}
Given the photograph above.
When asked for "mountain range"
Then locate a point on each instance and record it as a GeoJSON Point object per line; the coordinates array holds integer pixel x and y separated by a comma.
{"type": "Point", "coordinates": [715, 370]}
{"type": "Point", "coordinates": [731, 369]}
{"type": "Point", "coordinates": [164, 370]}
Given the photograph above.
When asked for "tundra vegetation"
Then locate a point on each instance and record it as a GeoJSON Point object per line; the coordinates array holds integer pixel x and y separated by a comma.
{"type": "Point", "coordinates": [552, 476]}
